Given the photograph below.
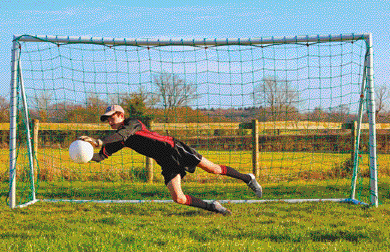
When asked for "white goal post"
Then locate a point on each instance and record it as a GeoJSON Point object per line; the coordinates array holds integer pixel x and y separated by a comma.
{"type": "Point", "coordinates": [227, 78]}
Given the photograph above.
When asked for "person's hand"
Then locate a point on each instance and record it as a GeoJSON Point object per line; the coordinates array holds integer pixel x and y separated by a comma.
{"type": "Point", "coordinates": [96, 143]}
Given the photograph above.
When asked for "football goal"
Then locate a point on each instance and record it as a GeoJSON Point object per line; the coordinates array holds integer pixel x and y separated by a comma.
{"type": "Point", "coordinates": [297, 111]}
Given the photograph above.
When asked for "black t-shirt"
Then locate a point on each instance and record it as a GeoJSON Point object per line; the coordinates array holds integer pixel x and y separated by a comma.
{"type": "Point", "coordinates": [174, 156]}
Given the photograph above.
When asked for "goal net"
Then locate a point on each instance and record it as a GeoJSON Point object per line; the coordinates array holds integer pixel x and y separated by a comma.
{"type": "Point", "coordinates": [298, 112]}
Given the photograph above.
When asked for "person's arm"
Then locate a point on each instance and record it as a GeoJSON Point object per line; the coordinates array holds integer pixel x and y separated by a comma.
{"type": "Point", "coordinates": [109, 145]}
{"type": "Point", "coordinates": [113, 143]}
{"type": "Point", "coordinates": [107, 150]}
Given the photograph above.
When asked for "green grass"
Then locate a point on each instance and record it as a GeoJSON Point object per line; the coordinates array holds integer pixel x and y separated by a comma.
{"type": "Point", "coordinates": [172, 227]}
{"type": "Point", "coordinates": [210, 190]}
{"type": "Point", "coordinates": [55, 164]}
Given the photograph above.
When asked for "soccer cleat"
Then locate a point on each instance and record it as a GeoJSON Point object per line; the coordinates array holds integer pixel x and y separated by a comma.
{"type": "Point", "coordinates": [220, 209]}
{"type": "Point", "coordinates": [255, 186]}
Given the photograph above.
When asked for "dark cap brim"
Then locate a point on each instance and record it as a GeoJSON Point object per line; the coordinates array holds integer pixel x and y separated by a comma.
{"type": "Point", "coordinates": [105, 116]}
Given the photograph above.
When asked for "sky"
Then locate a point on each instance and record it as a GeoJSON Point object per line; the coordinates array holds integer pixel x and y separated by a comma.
{"type": "Point", "coordinates": [196, 19]}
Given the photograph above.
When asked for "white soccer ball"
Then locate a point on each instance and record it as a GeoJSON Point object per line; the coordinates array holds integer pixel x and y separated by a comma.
{"type": "Point", "coordinates": [80, 151]}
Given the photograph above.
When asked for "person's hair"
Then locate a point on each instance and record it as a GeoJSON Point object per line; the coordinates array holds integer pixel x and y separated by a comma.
{"type": "Point", "coordinates": [119, 113]}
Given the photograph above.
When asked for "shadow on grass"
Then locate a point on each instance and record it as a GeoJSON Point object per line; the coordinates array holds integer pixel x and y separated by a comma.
{"type": "Point", "coordinates": [320, 236]}
{"type": "Point", "coordinates": [188, 213]}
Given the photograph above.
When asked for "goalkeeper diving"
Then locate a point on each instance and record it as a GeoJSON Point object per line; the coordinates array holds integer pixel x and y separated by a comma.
{"type": "Point", "coordinates": [175, 157]}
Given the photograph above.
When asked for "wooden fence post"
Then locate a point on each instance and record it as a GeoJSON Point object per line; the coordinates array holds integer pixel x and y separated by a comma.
{"type": "Point", "coordinates": [149, 167]}
{"type": "Point", "coordinates": [255, 149]}
{"type": "Point", "coordinates": [149, 161]}
{"type": "Point", "coordinates": [35, 141]}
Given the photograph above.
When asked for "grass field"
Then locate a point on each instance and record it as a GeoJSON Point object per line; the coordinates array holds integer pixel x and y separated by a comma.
{"type": "Point", "coordinates": [171, 227]}
{"type": "Point", "coordinates": [55, 164]}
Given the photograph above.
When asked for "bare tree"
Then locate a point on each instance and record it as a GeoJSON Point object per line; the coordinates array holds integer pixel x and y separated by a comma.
{"type": "Point", "coordinates": [276, 94]}
{"type": "Point", "coordinates": [174, 91]}
{"type": "Point", "coordinates": [42, 102]}
{"type": "Point", "coordinates": [93, 102]}
{"type": "Point", "coordinates": [339, 113]}
{"type": "Point", "coordinates": [4, 110]}
{"type": "Point", "coordinates": [318, 114]}
{"type": "Point", "coordinates": [382, 94]}
{"type": "Point", "coordinates": [148, 99]}
{"type": "Point", "coordinates": [93, 107]}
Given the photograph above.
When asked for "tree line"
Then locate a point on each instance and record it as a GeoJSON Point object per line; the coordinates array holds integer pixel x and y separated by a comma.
{"type": "Point", "coordinates": [172, 103]}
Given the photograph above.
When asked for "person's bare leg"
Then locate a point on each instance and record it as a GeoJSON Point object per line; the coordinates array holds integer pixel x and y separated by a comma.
{"type": "Point", "coordinates": [249, 179]}
{"type": "Point", "coordinates": [174, 187]}
{"type": "Point", "coordinates": [210, 167]}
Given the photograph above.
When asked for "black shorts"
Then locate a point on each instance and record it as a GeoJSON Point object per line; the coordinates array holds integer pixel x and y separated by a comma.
{"type": "Point", "coordinates": [181, 160]}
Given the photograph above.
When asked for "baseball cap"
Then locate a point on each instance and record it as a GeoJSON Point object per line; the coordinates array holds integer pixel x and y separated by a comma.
{"type": "Point", "coordinates": [110, 110]}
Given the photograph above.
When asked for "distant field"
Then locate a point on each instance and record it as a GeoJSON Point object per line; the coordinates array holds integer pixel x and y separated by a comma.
{"type": "Point", "coordinates": [55, 164]}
